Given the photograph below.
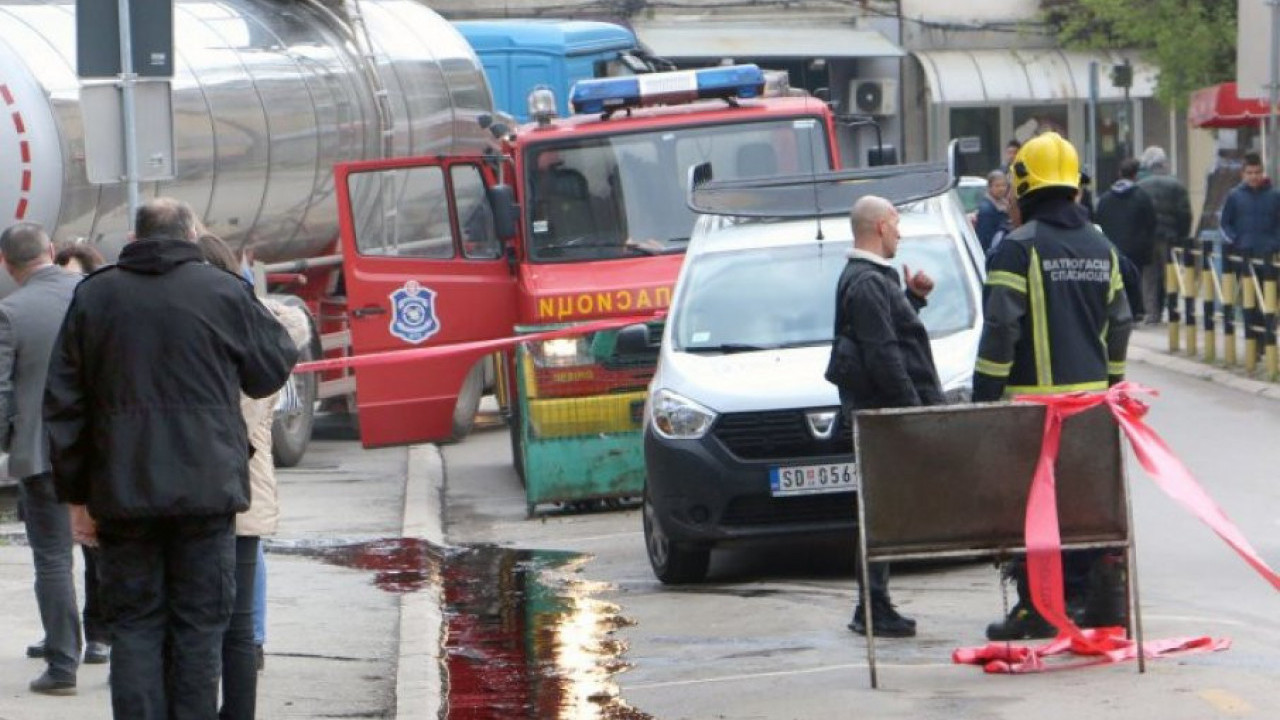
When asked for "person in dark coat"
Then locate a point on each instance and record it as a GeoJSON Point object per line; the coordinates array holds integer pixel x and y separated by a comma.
{"type": "Point", "coordinates": [1250, 224]}
{"type": "Point", "coordinates": [1173, 225]}
{"type": "Point", "coordinates": [1128, 219]}
{"type": "Point", "coordinates": [880, 357]}
{"type": "Point", "coordinates": [149, 446]}
{"type": "Point", "coordinates": [993, 209]}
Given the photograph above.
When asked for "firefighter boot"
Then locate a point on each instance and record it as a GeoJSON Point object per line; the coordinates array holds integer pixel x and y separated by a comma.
{"type": "Point", "coordinates": [1024, 621]}
{"type": "Point", "coordinates": [1107, 604]}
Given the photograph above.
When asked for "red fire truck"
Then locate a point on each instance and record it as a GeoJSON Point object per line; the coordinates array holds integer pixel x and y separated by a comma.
{"type": "Point", "coordinates": [563, 220]}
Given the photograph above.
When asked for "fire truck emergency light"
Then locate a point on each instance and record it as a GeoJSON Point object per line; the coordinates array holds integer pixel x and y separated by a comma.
{"type": "Point", "coordinates": [669, 88]}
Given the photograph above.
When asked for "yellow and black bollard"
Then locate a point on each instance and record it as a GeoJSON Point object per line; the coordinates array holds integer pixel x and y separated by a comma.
{"type": "Point", "coordinates": [1172, 283]}
{"type": "Point", "coordinates": [1230, 287]}
{"type": "Point", "coordinates": [1269, 310]}
{"type": "Point", "coordinates": [1208, 300]}
{"type": "Point", "coordinates": [1190, 263]}
{"type": "Point", "coordinates": [1249, 311]}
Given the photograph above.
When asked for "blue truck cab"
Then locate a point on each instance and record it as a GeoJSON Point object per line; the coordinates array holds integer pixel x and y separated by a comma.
{"type": "Point", "coordinates": [519, 55]}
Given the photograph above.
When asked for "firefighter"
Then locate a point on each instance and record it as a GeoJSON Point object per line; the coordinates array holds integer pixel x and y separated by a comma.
{"type": "Point", "coordinates": [1056, 320]}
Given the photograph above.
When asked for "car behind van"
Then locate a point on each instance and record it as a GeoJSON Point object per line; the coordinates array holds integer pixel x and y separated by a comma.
{"type": "Point", "coordinates": [743, 438]}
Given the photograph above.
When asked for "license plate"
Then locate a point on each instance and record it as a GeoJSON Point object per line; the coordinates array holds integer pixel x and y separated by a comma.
{"type": "Point", "coordinates": [811, 479]}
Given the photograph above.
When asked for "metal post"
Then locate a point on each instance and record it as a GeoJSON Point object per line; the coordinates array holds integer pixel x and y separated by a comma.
{"type": "Point", "coordinates": [1273, 158]}
{"type": "Point", "coordinates": [1091, 133]}
{"type": "Point", "coordinates": [127, 81]}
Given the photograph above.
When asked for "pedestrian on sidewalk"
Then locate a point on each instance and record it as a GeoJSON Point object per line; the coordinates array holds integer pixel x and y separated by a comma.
{"type": "Point", "coordinates": [80, 259]}
{"type": "Point", "coordinates": [993, 210]}
{"type": "Point", "coordinates": [29, 322]}
{"type": "Point", "coordinates": [1128, 219]}
{"type": "Point", "coordinates": [880, 358]}
{"type": "Point", "coordinates": [239, 647]}
{"type": "Point", "coordinates": [149, 445]}
{"type": "Point", "coordinates": [1173, 226]}
{"type": "Point", "coordinates": [1250, 224]}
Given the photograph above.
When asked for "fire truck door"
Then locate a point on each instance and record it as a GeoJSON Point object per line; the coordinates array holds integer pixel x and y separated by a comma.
{"type": "Point", "coordinates": [423, 266]}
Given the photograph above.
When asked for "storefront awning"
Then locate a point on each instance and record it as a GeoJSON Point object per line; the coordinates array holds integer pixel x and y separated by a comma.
{"type": "Point", "coordinates": [792, 40]}
{"type": "Point", "coordinates": [1220, 107]}
{"type": "Point", "coordinates": [986, 76]}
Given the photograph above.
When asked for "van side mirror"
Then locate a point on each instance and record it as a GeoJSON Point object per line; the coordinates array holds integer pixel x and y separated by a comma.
{"type": "Point", "coordinates": [634, 340]}
{"type": "Point", "coordinates": [505, 212]}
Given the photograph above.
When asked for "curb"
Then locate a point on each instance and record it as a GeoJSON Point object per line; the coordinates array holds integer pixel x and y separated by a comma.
{"type": "Point", "coordinates": [1202, 371]}
{"type": "Point", "coordinates": [418, 679]}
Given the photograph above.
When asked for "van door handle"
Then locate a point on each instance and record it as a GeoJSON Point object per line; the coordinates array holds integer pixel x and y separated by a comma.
{"type": "Point", "coordinates": [368, 310]}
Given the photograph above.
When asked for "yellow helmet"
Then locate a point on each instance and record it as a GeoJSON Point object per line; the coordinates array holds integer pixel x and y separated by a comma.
{"type": "Point", "coordinates": [1046, 160]}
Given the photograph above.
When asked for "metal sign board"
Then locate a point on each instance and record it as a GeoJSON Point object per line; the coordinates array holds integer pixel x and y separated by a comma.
{"type": "Point", "coordinates": [1253, 48]}
{"type": "Point", "coordinates": [955, 479]}
{"type": "Point", "coordinates": [104, 134]}
{"type": "Point", "coordinates": [98, 38]}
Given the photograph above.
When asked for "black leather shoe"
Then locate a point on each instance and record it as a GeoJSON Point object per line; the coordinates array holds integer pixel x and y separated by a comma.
{"type": "Point", "coordinates": [36, 650]}
{"type": "Point", "coordinates": [1023, 623]}
{"type": "Point", "coordinates": [46, 684]}
{"type": "Point", "coordinates": [97, 653]}
{"type": "Point", "coordinates": [886, 621]}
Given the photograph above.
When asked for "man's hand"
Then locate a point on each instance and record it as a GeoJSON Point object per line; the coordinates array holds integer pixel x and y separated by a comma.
{"type": "Point", "coordinates": [918, 283]}
{"type": "Point", "coordinates": [83, 529]}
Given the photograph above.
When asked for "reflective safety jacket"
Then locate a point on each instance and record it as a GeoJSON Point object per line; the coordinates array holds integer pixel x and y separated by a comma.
{"type": "Point", "coordinates": [1056, 315]}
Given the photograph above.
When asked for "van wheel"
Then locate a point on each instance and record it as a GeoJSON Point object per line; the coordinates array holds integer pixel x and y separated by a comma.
{"type": "Point", "coordinates": [464, 413]}
{"type": "Point", "coordinates": [291, 430]}
{"type": "Point", "coordinates": [673, 564]}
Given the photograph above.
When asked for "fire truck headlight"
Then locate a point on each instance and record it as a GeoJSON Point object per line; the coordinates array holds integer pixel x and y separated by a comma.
{"type": "Point", "coordinates": [542, 104]}
{"type": "Point", "coordinates": [678, 418]}
{"type": "Point", "coordinates": [563, 351]}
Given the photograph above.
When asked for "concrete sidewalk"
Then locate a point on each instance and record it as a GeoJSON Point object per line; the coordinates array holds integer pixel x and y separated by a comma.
{"type": "Point", "coordinates": [1149, 344]}
{"type": "Point", "coordinates": [337, 645]}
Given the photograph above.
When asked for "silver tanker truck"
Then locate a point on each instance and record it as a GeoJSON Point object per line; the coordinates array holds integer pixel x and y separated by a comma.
{"type": "Point", "coordinates": [267, 96]}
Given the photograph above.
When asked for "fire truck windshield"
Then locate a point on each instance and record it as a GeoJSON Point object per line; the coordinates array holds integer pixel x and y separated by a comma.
{"type": "Point", "coordinates": [617, 196]}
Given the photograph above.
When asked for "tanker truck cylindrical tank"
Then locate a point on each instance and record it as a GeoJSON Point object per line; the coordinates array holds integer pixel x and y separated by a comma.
{"type": "Point", "coordinates": [267, 96]}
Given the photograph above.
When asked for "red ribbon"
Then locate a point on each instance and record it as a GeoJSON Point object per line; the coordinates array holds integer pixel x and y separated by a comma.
{"type": "Point", "coordinates": [478, 346]}
{"type": "Point", "coordinates": [1043, 540]}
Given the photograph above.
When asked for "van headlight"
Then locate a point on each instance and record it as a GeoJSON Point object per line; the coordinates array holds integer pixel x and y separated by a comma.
{"type": "Point", "coordinates": [678, 418]}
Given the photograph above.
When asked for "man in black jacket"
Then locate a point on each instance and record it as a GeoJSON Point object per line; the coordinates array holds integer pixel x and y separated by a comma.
{"type": "Point", "coordinates": [880, 357]}
{"type": "Point", "coordinates": [149, 447]}
{"type": "Point", "coordinates": [1128, 219]}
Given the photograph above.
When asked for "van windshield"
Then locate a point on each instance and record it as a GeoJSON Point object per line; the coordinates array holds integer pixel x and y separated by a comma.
{"type": "Point", "coordinates": [785, 296]}
{"type": "Point", "coordinates": [624, 195]}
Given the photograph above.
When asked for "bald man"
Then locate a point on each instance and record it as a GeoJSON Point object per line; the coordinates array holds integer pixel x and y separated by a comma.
{"type": "Point", "coordinates": [880, 357]}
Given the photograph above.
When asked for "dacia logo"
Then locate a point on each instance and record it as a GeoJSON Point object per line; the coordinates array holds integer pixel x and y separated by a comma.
{"type": "Point", "coordinates": [822, 423]}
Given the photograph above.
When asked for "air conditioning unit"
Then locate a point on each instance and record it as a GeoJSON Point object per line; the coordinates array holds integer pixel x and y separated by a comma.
{"type": "Point", "coordinates": [873, 96]}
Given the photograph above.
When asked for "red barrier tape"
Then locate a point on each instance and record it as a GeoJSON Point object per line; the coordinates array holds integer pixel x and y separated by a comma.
{"type": "Point", "coordinates": [410, 354]}
{"type": "Point", "coordinates": [1044, 558]}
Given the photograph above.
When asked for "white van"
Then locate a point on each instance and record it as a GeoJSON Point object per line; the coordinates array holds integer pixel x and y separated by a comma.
{"type": "Point", "coordinates": [738, 408]}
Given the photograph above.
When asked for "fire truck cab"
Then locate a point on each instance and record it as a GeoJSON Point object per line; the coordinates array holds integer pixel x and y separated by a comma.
{"type": "Point", "coordinates": [564, 220]}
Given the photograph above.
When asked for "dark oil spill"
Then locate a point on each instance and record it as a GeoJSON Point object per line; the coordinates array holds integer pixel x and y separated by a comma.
{"type": "Point", "coordinates": [527, 637]}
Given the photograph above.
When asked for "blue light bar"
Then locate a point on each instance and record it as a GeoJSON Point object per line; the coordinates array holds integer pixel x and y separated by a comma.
{"type": "Point", "coordinates": [669, 88]}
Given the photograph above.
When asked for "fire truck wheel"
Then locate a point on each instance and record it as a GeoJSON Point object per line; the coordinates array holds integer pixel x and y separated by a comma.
{"type": "Point", "coordinates": [672, 564]}
{"type": "Point", "coordinates": [291, 430]}
{"type": "Point", "coordinates": [464, 413]}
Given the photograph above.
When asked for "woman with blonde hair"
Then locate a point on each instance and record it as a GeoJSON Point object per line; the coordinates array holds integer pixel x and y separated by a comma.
{"type": "Point", "coordinates": [239, 651]}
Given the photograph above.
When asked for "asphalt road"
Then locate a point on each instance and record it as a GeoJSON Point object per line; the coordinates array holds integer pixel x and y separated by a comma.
{"type": "Point", "coordinates": [766, 637]}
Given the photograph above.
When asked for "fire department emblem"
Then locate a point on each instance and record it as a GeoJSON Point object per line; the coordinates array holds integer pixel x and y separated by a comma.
{"type": "Point", "coordinates": [414, 318]}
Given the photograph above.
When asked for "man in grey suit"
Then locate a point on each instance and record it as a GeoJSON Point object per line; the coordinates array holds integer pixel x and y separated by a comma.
{"type": "Point", "coordinates": [30, 318]}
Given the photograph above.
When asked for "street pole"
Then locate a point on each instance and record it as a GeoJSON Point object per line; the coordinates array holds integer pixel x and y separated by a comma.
{"type": "Point", "coordinates": [127, 82]}
{"type": "Point", "coordinates": [1273, 87]}
{"type": "Point", "coordinates": [1091, 134]}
